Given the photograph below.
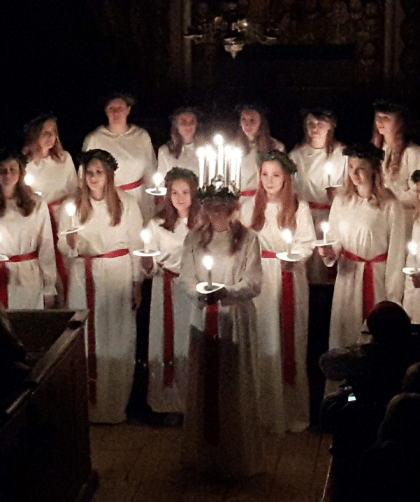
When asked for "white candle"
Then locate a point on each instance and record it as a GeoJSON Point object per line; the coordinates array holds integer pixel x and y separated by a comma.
{"type": "Point", "coordinates": [328, 171]}
{"type": "Point", "coordinates": [201, 154]}
{"type": "Point", "coordinates": [211, 159]}
{"type": "Point", "coordinates": [146, 237]}
{"type": "Point", "coordinates": [287, 236]}
{"type": "Point", "coordinates": [208, 265]}
{"type": "Point", "coordinates": [238, 162]}
{"type": "Point", "coordinates": [29, 179]}
{"type": "Point", "coordinates": [71, 211]}
{"type": "Point", "coordinates": [228, 164]}
{"type": "Point", "coordinates": [157, 180]}
{"type": "Point", "coordinates": [325, 226]}
{"type": "Point", "coordinates": [413, 248]}
{"type": "Point", "coordinates": [218, 140]}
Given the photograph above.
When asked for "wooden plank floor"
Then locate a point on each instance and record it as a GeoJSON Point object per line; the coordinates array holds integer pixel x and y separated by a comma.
{"type": "Point", "coordinates": [137, 463]}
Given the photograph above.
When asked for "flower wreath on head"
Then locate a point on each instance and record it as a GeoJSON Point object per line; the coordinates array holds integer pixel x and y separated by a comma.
{"type": "Point", "coordinates": [211, 193]}
{"type": "Point", "coordinates": [281, 158]}
{"type": "Point", "coordinates": [180, 173]}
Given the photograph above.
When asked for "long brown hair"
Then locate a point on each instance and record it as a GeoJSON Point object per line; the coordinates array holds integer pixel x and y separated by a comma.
{"type": "Point", "coordinates": [263, 140]}
{"type": "Point", "coordinates": [32, 133]}
{"type": "Point", "coordinates": [24, 196]}
{"type": "Point", "coordinates": [392, 165]}
{"type": "Point", "coordinates": [113, 201]}
{"type": "Point", "coordinates": [379, 194]}
{"type": "Point", "coordinates": [326, 116]}
{"type": "Point", "coordinates": [176, 142]}
{"type": "Point", "coordinates": [204, 229]}
{"type": "Point", "coordinates": [288, 202]}
{"type": "Point", "coordinates": [168, 212]}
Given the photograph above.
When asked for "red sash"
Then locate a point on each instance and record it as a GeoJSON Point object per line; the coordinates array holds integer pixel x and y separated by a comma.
{"type": "Point", "coordinates": [211, 377]}
{"type": "Point", "coordinates": [131, 186]}
{"type": "Point", "coordinates": [314, 205]}
{"type": "Point", "coordinates": [90, 300]}
{"type": "Point", "coordinates": [368, 288]}
{"type": "Point", "coordinates": [168, 326]}
{"type": "Point", "coordinates": [61, 269]}
{"type": "Point", "coordinates": [287, 317]}
{"type": "Point", "coordinates": [4, 274]}
{"type": "Point", "coordinates": [248, 193]}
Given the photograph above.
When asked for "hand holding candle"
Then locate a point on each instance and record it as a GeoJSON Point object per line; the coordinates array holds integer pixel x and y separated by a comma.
{"type": "Point", "coordinates": [208, 265]}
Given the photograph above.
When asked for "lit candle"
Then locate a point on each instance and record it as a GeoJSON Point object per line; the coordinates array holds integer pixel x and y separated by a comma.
{"type": "Point", "coordinates": [328, 171]}
{"type": "Point", "coordinates": [413, 248]}
{"type": "Point", "coordinates": [211, 159]}
{"type": "Point", "coordinates": [71, 211]}
{"type": "Point", "coordinates": [201, 154]}
{"type": "Point", "coordinates": [208, 265]}
{"type": "Point", "coordinates": [218, 140]}
{"type": "Point", "coordinates": [157, 179]}
{"type": "Point", "coordinates": [228, 164]}
{"type": "Point", "coordinates": [325, 226]}
{"type": "Point", "coordinates": [238, 162]}
{"type": "Point", "coordinates": [287, 236]}
{"type": "Point", "coordinates": [146, 237]}
{"type": "Point", "coordinates": [29, 179]}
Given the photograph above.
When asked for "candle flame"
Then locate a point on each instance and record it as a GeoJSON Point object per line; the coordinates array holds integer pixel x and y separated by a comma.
{"type": "Point", "coordinates": [145, 236]}
{"type": "Point", "coordinates": [328, 167]}
{"type": "Point", "coordinates": [325, 226]}
{"type": "Point", "coordinates": [157, 179]}
{"type": "Point", "coordinates": [71, 208]}
{"type": "Point", "coordinates": [29, 179]}
{"type": "Point", "coordinates": [287, 236]}
{"type": "Point", "coordinates": [218, 139]}
{"type": "Point", "coordinates": [208, 262]}
{"type": "Point", "coordinates": [412, 247]}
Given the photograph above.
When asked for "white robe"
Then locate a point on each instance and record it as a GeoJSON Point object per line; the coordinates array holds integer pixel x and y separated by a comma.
{"type": "Point", "coordinates": [282, 407]}
{"type": "Point", "coordinates": [249, 167]}
{"type": "Point", "coordinates": [365, 231]}
{"type": "Point", "coordinates": [411, 301]}
{"type": "Point", "coordinates": [187, 159]}
{"type": "Point", "coordinates": [311, 181]}
{"type": "Point", "coordinates": [240, 449]}
{"type": "Point", "coordinates": [134, 153]}
{"type": "Point", "coordinates": [115, 321]}
{"type": "Point", "coordinates": [29, 281]}
{"type": "Point", "coordinates": [402, 186]}
{"type": "Point", "coordinates": [170, 244]}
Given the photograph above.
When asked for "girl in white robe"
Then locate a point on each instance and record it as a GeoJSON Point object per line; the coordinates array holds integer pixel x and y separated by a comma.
{"type": "Point", "coordinates": [51, 173]}
{"type": "Point", "coordinates": [132, 148]}
{"type": "Point", "coordinates": [368, 229]}
{"type": "Point", "coordinates": [169, 309]}
{"type": "Point", "coordinates": [411, 300]}
{"type": "Point", "coordinates": [253, 138]}
{"type": "Point", "coordinates": [282, 312]}
{"type": "Point", "coordinates": [222, 429]}
{"type": "Point", "coordinates": [27, 269]}
{"type": "Point", "coordinates": [105, 277]}
{"type": "Point", "coordinates": [401, 156]}
{"type": "Point", "coordinates": [180, 151]}
{"type": "Point", "coordinates": [320, 164]}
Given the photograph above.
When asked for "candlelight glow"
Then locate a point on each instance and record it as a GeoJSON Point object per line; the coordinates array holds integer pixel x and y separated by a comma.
{"type": "Point", "coordinates": [29, 179]}
{"type": "Point", "coordinates": [328, 168]}
{"type": "Point", "coordinates": [287, 236]}
{"type": "Point", "coordinates": [412, 248]}
{"type": "Point", "coordinates": [218, 139]}
{"type": "Point", "coordinates": [145, 236]}
{"type": "Point", "coordinates": [325, 226]}
{"type": "Point", "coordinates": [208, 262]}
{"type": "Point", "coordinates": [71, 208]}
{"type": "Point", "coordinates": [157, 179]}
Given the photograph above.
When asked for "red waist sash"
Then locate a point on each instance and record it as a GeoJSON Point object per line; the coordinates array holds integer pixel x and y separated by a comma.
{"type": "Point", "coordinates": [131, 186]}
{"type": "Point", "coordinates": [211, 377]}
{"type": "Point", "coordinates": [168, 326]}
{"type": "Point", "coordinates": [248, 193]}
{"type": "Point", "coordinates": [314, 205]}
{"type": "Point", "coordinates": [90, 300]}
{"type": "Point", "coordinates": [61, 269]}
{"type": "Point", "coordinates": [4, 274]}
{"type": "Point", "coordinates": [368, 288]}
{"type": "Point", "coordinates": [287, 321]}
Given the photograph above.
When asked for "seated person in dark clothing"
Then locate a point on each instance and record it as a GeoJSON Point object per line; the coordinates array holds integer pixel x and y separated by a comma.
{"type": "Point", "coordinates": [372, 375]}
{"type": "Point", "coordinates": [388, 470]}
{"type": "Point", "coordinates": [411, 381]}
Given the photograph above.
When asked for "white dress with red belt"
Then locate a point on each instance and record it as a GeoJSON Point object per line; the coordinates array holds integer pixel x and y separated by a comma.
{"type": "Point", "coordinates": [111, 343]}
{"type": "Point", "coordinates": [187, 159]}
{"type": "Point", "coordinates": [134, 153]}
{"type": "Point", "coordinates": [368, 239]}
{"type": "Point", "coordinates": [283, 345]}
{"type": "Point", "coordinates": [169, 322]}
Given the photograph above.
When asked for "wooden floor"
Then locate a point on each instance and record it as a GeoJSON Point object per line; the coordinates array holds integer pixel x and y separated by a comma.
{"type": "Point", "coordinates": [138, 463]}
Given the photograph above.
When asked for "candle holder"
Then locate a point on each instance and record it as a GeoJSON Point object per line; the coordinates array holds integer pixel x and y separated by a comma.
{"type": "Point", "coordinates": [289, 256]}
{"type": "Point", "coordinates": [410, 270]}
{"type": "Point", "coordinates": [205, 288]}
{"type": "Point", "coordinates": [157, 191]}
{"type": "Point", "coordinates": [72, 230]}
{"type": "Point", "coordinates": [146, 253]}
{"type": "Point", "coordinates": [324, 243]}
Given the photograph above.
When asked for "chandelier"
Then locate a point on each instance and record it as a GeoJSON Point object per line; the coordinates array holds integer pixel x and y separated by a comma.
{"type": "Point", "coordinates": [228, 23]}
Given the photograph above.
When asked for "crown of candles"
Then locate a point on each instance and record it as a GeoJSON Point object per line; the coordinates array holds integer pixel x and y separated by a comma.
{"type": "Point", "coordinates": [219, 166]}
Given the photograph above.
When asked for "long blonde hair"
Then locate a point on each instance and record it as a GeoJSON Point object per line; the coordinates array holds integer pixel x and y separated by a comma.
{"type": "Point", "coordinates": [113, 202]}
